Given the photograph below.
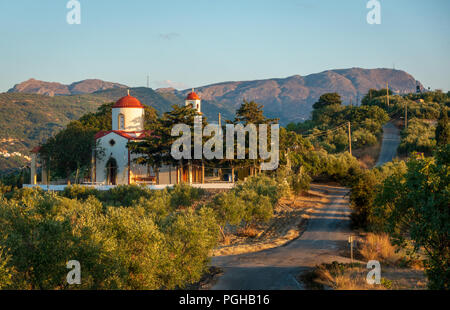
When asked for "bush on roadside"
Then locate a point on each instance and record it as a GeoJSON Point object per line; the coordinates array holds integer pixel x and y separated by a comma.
{"type": "Point", "coordinates": [145, 246]}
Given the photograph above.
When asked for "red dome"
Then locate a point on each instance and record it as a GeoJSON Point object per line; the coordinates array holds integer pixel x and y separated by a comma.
{"type": "Point", "coordinates": [128, 102]}
{"type": "Point", "coordinates": [192, 96]}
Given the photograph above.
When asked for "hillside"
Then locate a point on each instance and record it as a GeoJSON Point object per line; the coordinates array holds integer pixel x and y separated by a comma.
{"type": "Point", "coordinates": [163, 99]}
{"type": "Point", "coordinates": [37, 116]}
{"type": "Point", "coordinates": [27, 119]}
{"type": "Point", "coordinates": [291, 98]}
{"type": "Point", "coordinates": [88, 86]}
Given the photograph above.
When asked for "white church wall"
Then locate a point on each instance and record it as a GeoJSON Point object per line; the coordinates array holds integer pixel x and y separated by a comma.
{"type": "Point", "coordinates": [119, 152]}
{"type": "Point", "coordinates": [196, 104]}
{"type": "Point", "coordinates": [133, 118]}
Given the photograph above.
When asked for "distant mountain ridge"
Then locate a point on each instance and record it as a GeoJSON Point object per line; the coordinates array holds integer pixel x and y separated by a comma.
{"type": "Point", "coordinates": [291, 98]}
{"type": "Point", "coordinates": [33, 86]}
{"type": "Point", "coordinates": [40, 109]}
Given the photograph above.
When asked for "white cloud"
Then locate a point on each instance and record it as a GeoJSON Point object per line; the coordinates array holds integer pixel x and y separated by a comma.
{"type": "Point", "coordinates": [169, 83]}
{"type": "Point", "coordinates": [169, 36]}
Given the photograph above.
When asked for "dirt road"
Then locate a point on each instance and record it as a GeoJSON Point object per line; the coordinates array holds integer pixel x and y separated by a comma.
{"type": "Point", "coordinates": [276, 269]}
{"type": "Point", "coordinates": [391, 141]}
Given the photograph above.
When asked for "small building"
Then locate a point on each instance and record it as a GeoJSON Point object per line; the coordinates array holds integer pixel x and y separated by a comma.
{"type": "Point", "coordinates": [114, 164]}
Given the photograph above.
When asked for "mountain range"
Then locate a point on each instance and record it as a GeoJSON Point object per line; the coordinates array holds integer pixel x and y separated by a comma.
{"type": "Point", "coordinates": [289, 99]}
{"type": "Point", "coordinates": [88, 86]}
{"type": "Point", "coordinates": [33, 110]}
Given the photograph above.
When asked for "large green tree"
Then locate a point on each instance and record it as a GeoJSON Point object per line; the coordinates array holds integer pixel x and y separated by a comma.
{"type": "Point", "coordinates": [327, 99]}
{"type": "Point", "coordinates": [416, 206]}
{"type": "Point", "coordinates": [250, 112]}
{"type": "Point", "coordinates": [155, 149]}
{"type": "Point", "coordinates": [69, 150]}
{"type": "Point", "coordinates": [443, 129]}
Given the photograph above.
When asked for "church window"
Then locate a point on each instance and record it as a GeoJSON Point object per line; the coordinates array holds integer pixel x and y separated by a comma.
{"type": "Point", "coordinates": [121, 121]}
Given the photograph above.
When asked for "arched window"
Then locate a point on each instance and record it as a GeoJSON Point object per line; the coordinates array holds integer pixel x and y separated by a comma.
{"type": "Point", "coordinates": [121, 121]}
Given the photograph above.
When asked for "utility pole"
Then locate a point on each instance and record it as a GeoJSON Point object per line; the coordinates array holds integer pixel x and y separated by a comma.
{"type": "Point", "coordinates": [350, 240]}
{"type": "Point", "coordinates": [350, 138]}
{"type": "Point", "coordinates": [406, 115]}
{"type": "Point", "coordinates": [148, 81]}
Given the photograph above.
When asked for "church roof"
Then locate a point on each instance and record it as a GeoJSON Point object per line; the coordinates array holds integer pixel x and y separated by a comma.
{"type": "Point", "coordinates": [192, 96]}
{"type": "Point", "coordinates": [130, 135]}
{"type": "Point", "coordinates": [128, 102]}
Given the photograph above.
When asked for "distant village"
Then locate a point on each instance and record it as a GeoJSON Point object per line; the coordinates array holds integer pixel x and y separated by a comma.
{"type": "Point", "coordinates": [6, 154]}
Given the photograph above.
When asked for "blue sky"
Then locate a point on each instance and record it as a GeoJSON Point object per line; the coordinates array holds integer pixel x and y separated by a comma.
{"type": "Point", "coordinates": [192, 43]}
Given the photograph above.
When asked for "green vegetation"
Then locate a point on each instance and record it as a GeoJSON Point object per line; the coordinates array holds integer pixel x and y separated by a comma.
{"type": "Point", "coordinates": [328, 127]}
{"type": "Point", "coordinates": [133, 238]}
{"type": "Point", "coordinates": [29, 119]}
{"type": "Point", "coordinates": [150, 242]}
{"type": "Point", "coordinates": [415, 206]}
{"type": "Point", "coordinates": [410, 202]}
{"type": "Point", "coordinates": [418, 137]}
{"type": "Point", "coordinates": [126, 238]}
{"type": "Point", "coordinates": [247, 204]}
{"type": "Point", "coordinates": [443, 129]}
{"type": "Point", "coordinates": [423, 106]}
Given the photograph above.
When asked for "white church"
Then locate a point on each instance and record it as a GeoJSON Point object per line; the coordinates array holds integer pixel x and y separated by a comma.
{"type": "Point", "coordinates": [115, 164]}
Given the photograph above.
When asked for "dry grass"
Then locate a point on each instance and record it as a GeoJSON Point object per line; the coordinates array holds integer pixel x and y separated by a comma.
{"type": "Point", "coordinates": [248, 232]}
{"type": "Point", "coordinates": [289, 221]}
{"type": "Point", "coordinates": [338, 276]}
{"type": "Point", "coordinates": [367, 156]}
{"type": "Point", "coordinates": [379, 247]}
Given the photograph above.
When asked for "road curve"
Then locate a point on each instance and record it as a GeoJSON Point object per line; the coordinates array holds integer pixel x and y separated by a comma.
{"type": "Point", "coordinates": [391, 141]}
{"type": "Point", "coordinates": [276, 269]}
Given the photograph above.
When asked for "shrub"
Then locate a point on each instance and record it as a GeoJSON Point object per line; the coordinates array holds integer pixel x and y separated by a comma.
{"type": "Point", "coordinates": [263, 186]}
{"type": "Point", "coordinates": [300, 181]}
{"type": "Point", "coordinates": [362, 197]}
{"type": "Point", "coordinates": [418, 137]}
{"type": "Point", "coordinates": [229, 209]}
{"type": "Point", "coordinates": [124, 195]}
{"type": "Point", "coordinates": [415, 207]}
{"type": "Point", "coordinates": [258, 208]}
{"type": "Point", "coordinates": [183, 195]}
{"type": "Point", "coordinates": [145, 246]}
{"type": "Point", "coordinates": [79, 192]}
{"type": "Point", "coordinates": [378, 247]}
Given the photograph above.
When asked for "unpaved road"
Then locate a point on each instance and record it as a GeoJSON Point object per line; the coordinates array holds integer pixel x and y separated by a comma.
{"type": "Point", "coordinates": [391, 141]}
{"type": "Point", "coordinates": [325, 237]}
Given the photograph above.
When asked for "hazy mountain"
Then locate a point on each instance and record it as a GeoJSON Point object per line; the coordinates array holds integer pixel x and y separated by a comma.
{"type": "Point", "coordinates": [33, 86]}
{"type": "Point", "coordinates": [291, 98]}
{"type": "Point", "coordinates": [28, 119]}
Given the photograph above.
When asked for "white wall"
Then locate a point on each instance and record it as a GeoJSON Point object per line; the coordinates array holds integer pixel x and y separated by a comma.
{"type": "Point", "coordinates": [119, 152]}
{"type": "Point", "coordinates": [134, 118]}
{"type": "Point", "coordinates": [195, 103]}
{"type": "Point", "coordinates": [154, 187]}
